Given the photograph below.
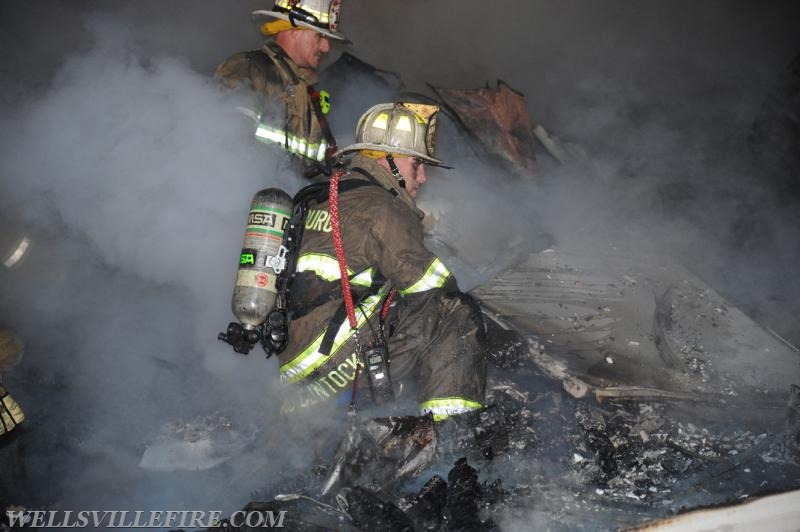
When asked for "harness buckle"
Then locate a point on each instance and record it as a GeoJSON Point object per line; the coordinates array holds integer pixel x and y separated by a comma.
{"type": "Point", "coordinates": [278, 262]}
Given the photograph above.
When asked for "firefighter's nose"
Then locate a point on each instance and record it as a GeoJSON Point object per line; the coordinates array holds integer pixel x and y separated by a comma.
{"type": "Point", "coordinates": [324, 45]}
{"type": "Point", "coordinates": [422, 175]}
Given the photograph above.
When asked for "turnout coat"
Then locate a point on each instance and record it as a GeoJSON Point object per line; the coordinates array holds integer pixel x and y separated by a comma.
{"type": "Point", "coordinates": [433, 331]}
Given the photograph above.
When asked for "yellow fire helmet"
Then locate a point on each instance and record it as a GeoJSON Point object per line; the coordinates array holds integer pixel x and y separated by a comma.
{"type": "Point", "coordinates": [400, 129]}
{"type": "Point", "coordinates": [318, 15]}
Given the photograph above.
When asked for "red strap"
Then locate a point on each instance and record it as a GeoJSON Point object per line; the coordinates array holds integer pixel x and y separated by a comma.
{"type": "Point", "coordinates": [337, 244]}
{"type": "Point", "coordinates": [387, 304]}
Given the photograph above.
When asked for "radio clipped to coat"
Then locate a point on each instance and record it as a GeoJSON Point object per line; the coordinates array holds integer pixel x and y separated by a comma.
{"type": "Point", "coordinates": [262, 260]}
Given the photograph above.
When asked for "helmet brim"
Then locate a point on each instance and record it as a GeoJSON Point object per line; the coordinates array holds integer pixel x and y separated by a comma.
{"type": "Point", "coordinates": [352, 148]}
{"type": "Point", "coordinates": [262, 13]}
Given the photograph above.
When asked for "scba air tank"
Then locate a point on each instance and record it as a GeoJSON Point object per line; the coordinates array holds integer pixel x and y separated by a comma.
{"type": "Point", "coordinates": [262, 257]}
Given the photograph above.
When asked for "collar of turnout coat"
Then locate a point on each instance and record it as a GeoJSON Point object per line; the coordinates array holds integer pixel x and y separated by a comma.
{"type": "Point", "coordinates": [307, 75]}
{"type": "Point", "coordinates": [385, 178]}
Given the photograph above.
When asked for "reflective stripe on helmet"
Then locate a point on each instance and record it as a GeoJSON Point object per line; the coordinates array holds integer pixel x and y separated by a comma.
{"type": "Point", "coordinates": [434, 277]}
{"type": "Point", "coordinates": [327, 268]}
{"type": "Point", "coordinates": [401, 127]}
{"type": "Point", "coordinates": [292, 143]}
{"type": "Point", "coordinates": [443, 408]}
{"type": "Point", "coordinates": [310, 358]}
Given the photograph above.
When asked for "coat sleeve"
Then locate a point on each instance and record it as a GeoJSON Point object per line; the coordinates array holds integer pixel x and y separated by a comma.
{"type": "Point", "coordinates": [395, 243]}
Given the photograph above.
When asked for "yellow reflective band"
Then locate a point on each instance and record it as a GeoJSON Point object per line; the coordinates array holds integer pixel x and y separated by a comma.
{"type": "Point", "coordinates": [310, 358]}
{"type": "Point", "coordinates": [363, 279]}
{"type": "Point", "coordinates": [434, 277]}
{"type": "Point", "coordinates": [403, 124]}
{"type": "Point", "coordinates": [327, 268]}
{"type": "Point", "coordinates": [327, 384]}
{"type": "Point", "coordinates": [292, 143]}
{"type": "Point", "coordinates": [320, 148]}
{"type": "Point", "coordinates": [449, 406]}
{"type": "Point", "coordinates": [324, 266]}
{"type": "Point", "coordinates": [381, 121]}
{"type": "Point", "coordinates": [264, 132]}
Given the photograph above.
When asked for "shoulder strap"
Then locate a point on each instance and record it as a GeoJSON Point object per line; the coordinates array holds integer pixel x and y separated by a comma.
{"type": "Point", "coordinates": [374, 181]}
{"type": "Point", "coordinates": [319, 192]}
{"type": "Point", "coordinates": [265, 65]}
{"type": "Point", "coordinates": [313, 95]}
{"type": "Point", "coordinates": [277, 59]}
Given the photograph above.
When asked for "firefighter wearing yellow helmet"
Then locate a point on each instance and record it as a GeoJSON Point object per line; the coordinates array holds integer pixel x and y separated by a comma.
{"type": "Point", "coordinates": [11, 413]}
{"type": "Point", "coordinates": [432, 332]}
{"type": "Point", "coordinates": [290, 111]}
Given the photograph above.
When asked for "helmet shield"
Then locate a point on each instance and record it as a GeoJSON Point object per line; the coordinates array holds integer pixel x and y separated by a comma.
{"type": "Point", "coordinates": [398, 128]}
{"type": "Point", "coordinates": [318, 15]}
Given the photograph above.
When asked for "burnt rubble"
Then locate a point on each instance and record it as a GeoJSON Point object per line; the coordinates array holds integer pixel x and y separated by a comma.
{"type": "Point", "coordinates": [538, 455]}
{"type": "Point", "coordinates": [615, 464]}
{"type": "Point", "coordinates": [570, 462]}
{"type": "Point", "coordinates": [455, 504]}
{"type": "Point", "coordinates": [463, 494]}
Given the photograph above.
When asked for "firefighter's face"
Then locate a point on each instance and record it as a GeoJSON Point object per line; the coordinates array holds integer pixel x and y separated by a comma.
{"type": "Point", "coordinates": [311, 46]}
{"type": "Point", "coordinates": [413, 172]}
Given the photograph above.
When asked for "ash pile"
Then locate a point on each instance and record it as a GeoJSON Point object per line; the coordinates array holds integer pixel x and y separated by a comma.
{"type": "Point", "coordinates": [538, 455]}
{"type": "Point", "coordinates": [407, 473]}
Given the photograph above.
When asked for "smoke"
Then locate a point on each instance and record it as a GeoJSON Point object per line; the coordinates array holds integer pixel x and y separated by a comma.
{"type": "Point", "coordinates": [662, 98]}
{"type": "Point", "coordinates": [130, 171]}
{"type": "Point", "coordinates": [132, 175]}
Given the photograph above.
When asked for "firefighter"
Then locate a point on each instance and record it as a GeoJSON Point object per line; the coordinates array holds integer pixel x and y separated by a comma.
{"type": "Point", "coordinates": [11, 414]}
{"type": "Point", "coordinates": [290, 112]}
{"type": "Point", "coordinates": [434, 333]}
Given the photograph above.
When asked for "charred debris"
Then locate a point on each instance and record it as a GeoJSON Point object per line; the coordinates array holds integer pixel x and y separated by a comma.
{"type": "Point", "coordinates": [539, 453]}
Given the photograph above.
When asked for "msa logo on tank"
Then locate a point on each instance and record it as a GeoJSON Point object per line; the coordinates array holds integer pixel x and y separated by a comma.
{"type": "Point", "coordinates": [248, 257]}
{"type": "Point", "coordinates": [254, 261]}
{"type": "Point", "coordinates": [268, 219]}
{"type": "Point", "coordinates": [254, 258]}
{"type": "Point", "coordinates": [318, 220]}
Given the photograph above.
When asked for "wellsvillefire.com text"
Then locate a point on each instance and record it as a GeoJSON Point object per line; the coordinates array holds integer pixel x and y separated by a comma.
{"type": "Point", "coordinates": [149, 519]}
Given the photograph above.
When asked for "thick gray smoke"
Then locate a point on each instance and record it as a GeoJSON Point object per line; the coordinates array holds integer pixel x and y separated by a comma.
{"type": "Point", "coordinates": [132, 174]}
{"type": "Point", "coordinates": [144, 158]}
{"type": "Point", "coordinates": [662, 98]}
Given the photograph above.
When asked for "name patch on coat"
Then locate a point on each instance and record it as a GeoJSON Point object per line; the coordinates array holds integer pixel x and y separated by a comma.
{"type": "Point", "coordinates": [318, 220]}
